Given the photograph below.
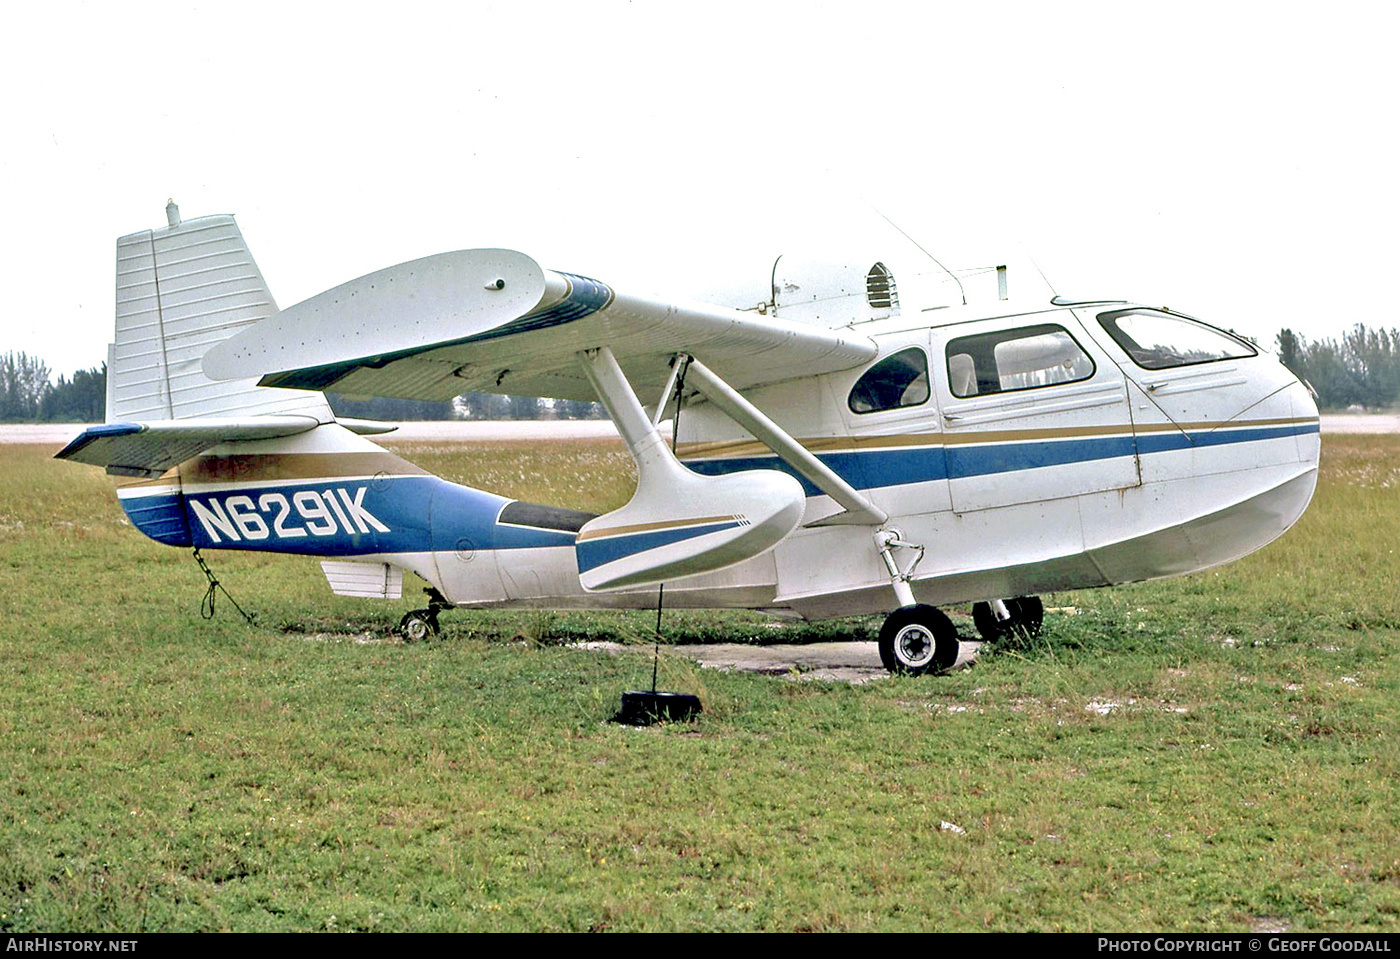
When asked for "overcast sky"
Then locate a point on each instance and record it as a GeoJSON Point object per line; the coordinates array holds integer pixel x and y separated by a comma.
{"type": "Point", "coordinates": [1235, 161]}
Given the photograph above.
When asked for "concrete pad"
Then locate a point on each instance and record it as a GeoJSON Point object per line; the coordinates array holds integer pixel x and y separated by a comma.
{"type": "Point", "coordinates": [831, 662]}
{"type": "Point", "coordinates": [836, 662]}
{"type": "Point", "coordinates": [1360, 423]}
{"type": "Point", "coordinates": [57, 435]}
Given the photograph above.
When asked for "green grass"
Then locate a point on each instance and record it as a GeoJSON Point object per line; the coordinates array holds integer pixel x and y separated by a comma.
{"type": "Point", "coordinates": [161, 771]}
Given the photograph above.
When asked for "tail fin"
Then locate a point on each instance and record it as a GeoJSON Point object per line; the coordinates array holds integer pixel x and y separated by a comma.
{"type": "Point", "coordinates": [180, 290]}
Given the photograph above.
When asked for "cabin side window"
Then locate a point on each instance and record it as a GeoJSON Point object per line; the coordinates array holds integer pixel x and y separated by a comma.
{"type": "Point", "coordinates": [898, 380]}
{"type": "Point", "coordinates": [1160, 341]}
{"type": "Point", "coordinates": [1019, 359]}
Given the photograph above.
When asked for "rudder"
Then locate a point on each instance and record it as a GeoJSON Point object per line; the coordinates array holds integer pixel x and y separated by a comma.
{"type": "Point", "coordinates": [180, 289]}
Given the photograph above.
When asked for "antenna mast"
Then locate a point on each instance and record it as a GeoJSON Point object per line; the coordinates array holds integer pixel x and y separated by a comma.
{"type": "Point", "coordinates": [961, 292]}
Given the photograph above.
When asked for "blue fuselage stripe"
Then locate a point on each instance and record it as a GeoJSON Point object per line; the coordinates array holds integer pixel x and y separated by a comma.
{"type": "Point", "coordinates": [338, 517]}
{"type": "Point", "coordinates": [593, 553]}
{"type": "Point", "coordinates": [1165, 442]}
{"type": "Point", "coordinates": [162, 518]}
{"type": "Point", "coordinates": [968, 461]}
{"type": "Point", "coordinates": [411, 514]}
{"type": "Point", "coordinates": [872, 469]}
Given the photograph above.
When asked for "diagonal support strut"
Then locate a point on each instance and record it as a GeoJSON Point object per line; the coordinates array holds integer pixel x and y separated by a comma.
{"type": "Point", "coordinates": [859, 510]}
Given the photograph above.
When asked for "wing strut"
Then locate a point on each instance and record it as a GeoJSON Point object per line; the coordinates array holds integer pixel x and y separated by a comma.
{"type": "Point", "coordinates": [677, 523]}
{"type": "Point", "coordinates": [859, 510]}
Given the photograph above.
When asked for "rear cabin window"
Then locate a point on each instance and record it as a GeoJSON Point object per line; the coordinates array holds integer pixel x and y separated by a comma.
{"type": "Point", "coordinates": [898, 380]}
{"type": "Point", "coordinates": [1159, 341]}
{"type": "Point", "coordinates": [1020, 359]}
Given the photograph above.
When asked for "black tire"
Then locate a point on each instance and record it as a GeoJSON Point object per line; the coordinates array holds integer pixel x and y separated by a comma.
{"type": "Point", "coordinates": [918, 639]}
{"type": "Point", "coordinates": [986, 621]}
{"type": "Point", "coordinates": [1030, 615]}
{"type": "Point", "coordinates": [417, 626]}
{"type": "Point", "coordinates": [1027, 614]}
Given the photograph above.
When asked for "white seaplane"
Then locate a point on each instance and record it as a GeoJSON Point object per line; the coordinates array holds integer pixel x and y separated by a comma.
{"type": "Point", "coordinates": [837, 450]}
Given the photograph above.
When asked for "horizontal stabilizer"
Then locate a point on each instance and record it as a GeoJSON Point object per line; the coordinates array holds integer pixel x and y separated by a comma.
{"type": "Point", "coordinates": [149, 449]}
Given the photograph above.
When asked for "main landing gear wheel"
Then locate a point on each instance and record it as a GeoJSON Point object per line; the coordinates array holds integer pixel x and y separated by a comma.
{"type": "Point", "coordinates": [418, 625]}
{"type": "Point", "coordinates": [1027, 614]}
{"type": "Point", "coordinates": [918, 639]}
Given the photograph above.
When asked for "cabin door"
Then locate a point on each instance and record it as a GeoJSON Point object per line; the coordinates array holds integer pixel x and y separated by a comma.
{"type": "Point", "coordinates": [1032, 410]}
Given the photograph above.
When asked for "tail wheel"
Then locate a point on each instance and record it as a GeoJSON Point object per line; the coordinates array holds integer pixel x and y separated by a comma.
{"type": "Point", "coordinates": [918, 639]}
{"type": "Point", "coordinates": [418, 625]}
{"type": "Point", "coordinates": [1027, 614]}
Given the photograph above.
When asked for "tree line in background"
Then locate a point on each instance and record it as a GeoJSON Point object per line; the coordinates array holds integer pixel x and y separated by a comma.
{"type": "Point", "coordinates": [28, 395]}
{"type": "Point", "coordinates": [468, 406]}
{"type": "Point", "coordinates": [1360, 369]}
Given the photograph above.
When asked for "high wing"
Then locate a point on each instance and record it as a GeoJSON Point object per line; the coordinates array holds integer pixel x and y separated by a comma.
{"type": "Point", "coordinates": [495, 321]}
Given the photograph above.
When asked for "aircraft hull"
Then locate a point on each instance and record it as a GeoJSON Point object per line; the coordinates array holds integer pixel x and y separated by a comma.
{"type": "Point", "coordinates": [1204, 500]}
{"type": "Point", "coordinates": [546, 578]}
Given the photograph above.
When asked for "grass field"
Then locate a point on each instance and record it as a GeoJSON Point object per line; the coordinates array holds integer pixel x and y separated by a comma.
{"type": "Point", "coordinates": [1217, 752]}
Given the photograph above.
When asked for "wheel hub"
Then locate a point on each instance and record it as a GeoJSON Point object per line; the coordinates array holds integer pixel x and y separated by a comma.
{"type": "Point", "coordinates": [914, 645]}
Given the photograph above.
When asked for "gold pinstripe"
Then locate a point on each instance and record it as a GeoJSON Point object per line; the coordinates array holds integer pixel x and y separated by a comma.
{"type": "Point", "coordinates": [649, 527]}
{"type": "Point", "coordinates": [726, 449]}
{"type": "Point", "coordinates": [275, 467]}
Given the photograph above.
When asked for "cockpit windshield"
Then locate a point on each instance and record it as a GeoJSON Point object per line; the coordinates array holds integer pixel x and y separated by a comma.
{"type": "Point", "coordinates": [1158, 341]}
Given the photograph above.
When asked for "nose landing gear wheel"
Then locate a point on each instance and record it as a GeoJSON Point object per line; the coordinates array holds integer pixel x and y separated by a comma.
{"type": "Point", "coordinates": [918, 639]}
